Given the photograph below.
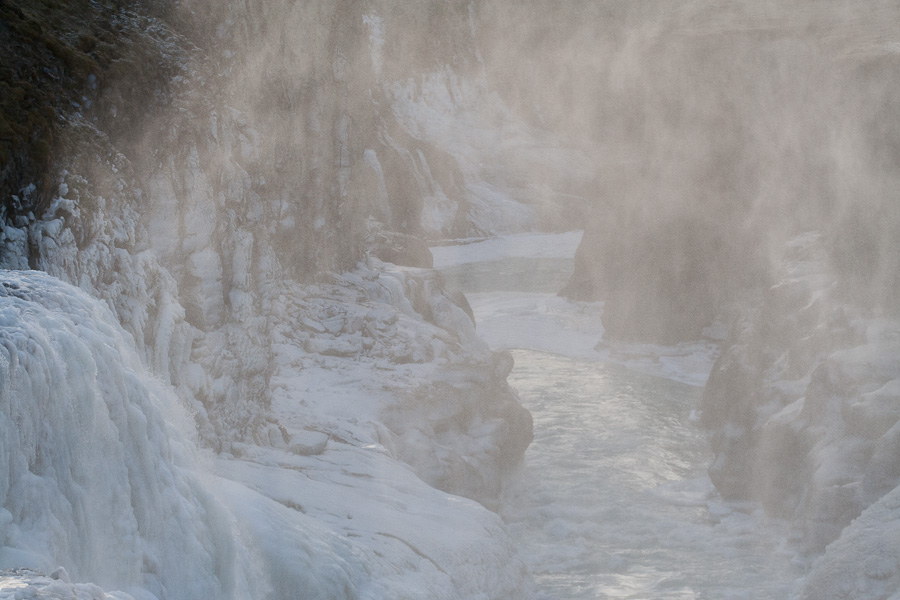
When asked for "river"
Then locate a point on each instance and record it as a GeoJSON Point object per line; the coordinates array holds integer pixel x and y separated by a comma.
{"type": "Point", "coordinates": [613, 499]}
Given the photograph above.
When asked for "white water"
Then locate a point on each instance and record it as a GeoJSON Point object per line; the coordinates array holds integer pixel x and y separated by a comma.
{"type": "Point", "coordinates": [613, 500]}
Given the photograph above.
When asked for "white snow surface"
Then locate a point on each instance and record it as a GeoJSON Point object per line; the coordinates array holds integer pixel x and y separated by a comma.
{"type": "Point", "coordinates": [862, 563]}
{"type": "Point", "coordinates": [21, 583]}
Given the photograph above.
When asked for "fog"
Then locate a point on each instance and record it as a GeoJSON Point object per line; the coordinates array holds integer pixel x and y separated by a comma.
{"type": "Point", "coordinates": [252, 188]}
{"type": "Point", "coordinates": [703, 135]}
{"type": "Point", "coordinates": [725, 128]}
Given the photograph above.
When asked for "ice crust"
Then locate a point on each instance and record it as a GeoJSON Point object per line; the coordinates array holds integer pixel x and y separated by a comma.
{"type": "Point", "coordinates": [96, 475]}
{"type": "Point", "coordinates": [22, 583]}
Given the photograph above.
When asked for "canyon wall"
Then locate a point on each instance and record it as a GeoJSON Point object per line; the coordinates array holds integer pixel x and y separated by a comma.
{"type": "Point", "coordinates": [248, 188]}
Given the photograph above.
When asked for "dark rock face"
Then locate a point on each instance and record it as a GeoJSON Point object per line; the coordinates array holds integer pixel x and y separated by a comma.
{"type": "Point", "coordinates": [56, 59]}
{"type": "Point", "coordinates": [662, 281]}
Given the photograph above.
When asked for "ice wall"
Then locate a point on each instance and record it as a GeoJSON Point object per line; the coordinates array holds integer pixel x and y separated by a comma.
{"type": "Point", "coordinates": [97, 472]}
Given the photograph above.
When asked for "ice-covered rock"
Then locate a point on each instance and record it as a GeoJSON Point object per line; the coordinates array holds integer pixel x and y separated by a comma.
{"type": "Point", "coordinates": [96, 474]}
{"type": "Point", "coordinates": [24, 583]}
{"type": "Point", "coordinates": [434, 392]}
{"type": "Point", "coordinates": [308, 443]}
{"type": "Point", "coordinates": [863, 562]}
{"type": "Point", "coordinates": [100, 475]}
{"type": "Point", "coordinates": [802, 406]}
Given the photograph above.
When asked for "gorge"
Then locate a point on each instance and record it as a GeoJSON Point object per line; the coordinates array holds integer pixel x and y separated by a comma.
{"type": "Point", "coordinates": [233, 364]}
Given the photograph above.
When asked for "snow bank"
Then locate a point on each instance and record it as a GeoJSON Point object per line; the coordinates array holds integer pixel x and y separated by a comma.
{"type": "Point", "coordinates": [862, 563]}
{"type": "Point", "coordinates": [531, 245]}
{"type": "Point", "coordinates": [16, 584]}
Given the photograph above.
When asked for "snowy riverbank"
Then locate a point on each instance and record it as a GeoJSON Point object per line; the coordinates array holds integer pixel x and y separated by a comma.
{"type": "Point", "coordinates": [613, 499]}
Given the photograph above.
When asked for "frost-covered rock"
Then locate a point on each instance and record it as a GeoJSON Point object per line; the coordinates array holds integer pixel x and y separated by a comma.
{"type": "Point", "coordinates": [388, 348]}
{"type": "Point", "coordinates": [863, 562]}
{"type": "Point", "coordinates": [803, 403]}
{"type": "Point", "coordinates": [100, 475]}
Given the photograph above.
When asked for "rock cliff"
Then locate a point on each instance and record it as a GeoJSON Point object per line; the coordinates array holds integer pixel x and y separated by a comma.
{"type": "Point", "coordinates": [217, 150]}
{"type": "Point", "coordinates": [226, 177]}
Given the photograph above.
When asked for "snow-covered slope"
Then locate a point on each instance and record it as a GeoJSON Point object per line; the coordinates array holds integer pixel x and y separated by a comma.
{"type": "Point", "coordinates": [862, 563]}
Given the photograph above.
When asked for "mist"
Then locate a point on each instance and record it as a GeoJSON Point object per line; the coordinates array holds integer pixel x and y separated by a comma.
{"type": "Point", "coordinates": [724, 129]}
{"type": "Point", "coordinates": [321, 235]}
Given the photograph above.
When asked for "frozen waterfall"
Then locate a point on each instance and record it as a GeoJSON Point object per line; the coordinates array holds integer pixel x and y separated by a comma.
{"type": "Point", "coordinates": [96, 475]}
{"type": "Point", "coordinates": [99, 477]}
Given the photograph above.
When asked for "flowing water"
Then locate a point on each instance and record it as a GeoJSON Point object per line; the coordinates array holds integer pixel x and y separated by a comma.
{"type": "Point", "coordinates": [613, 499]}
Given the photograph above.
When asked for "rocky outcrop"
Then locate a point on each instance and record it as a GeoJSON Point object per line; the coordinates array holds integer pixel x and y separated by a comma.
{"type": "Point", "coordinates": [803, 403]}
{"type": "Point", "coordinates": [229, 208]}
{"type": "Point", "coordinates": [437, 394]}
{"type": "Point", "coordinates": [259, 145]}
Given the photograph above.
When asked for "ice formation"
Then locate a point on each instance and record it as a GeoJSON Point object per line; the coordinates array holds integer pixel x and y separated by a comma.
{"type": "Point", "coordinates": [103, 477]}
{"type": "Point", "coordinates": [214, 390]}
{"type": "Point", "coordinates": [97, 475]}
